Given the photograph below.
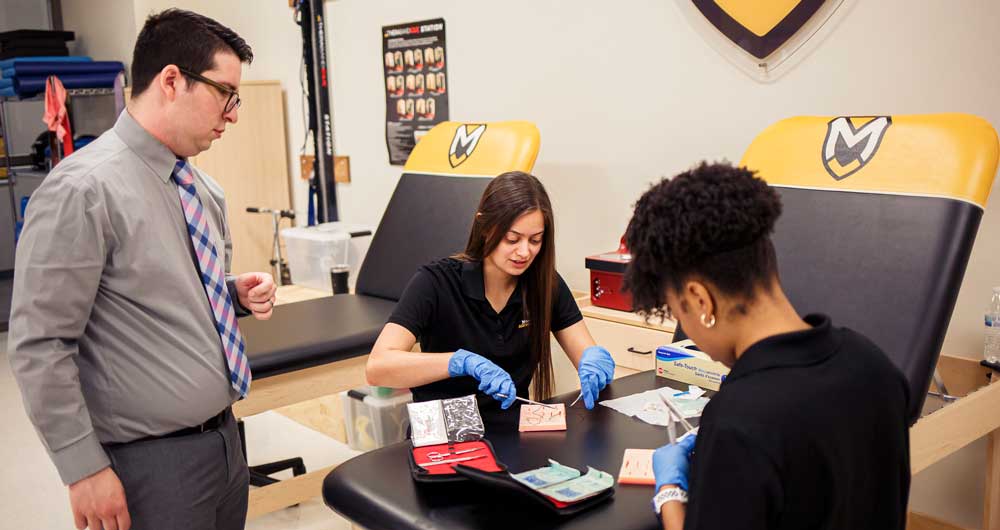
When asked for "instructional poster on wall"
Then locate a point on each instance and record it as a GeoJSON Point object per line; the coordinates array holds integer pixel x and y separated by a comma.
{"type": "Point", "coordinates": [416, 83]}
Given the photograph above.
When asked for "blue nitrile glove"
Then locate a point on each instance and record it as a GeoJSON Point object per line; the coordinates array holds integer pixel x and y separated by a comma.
{"type": "Point", "coordinates": [597, 368]}
{"type": "Point", "coordinates": [492, 379]}
{"type": "Point", "coordinates": [672, 462]}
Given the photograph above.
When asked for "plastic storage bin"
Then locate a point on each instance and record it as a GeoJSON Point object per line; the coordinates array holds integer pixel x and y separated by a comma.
{"type": "Point", "coordinates": [311, 251]}
{"type": "Point", "coordinates": [357, 248]}
{"type": "Point", "coordinates": [372, 422]}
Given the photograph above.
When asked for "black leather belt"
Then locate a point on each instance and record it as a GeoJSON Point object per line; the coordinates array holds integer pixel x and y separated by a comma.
{"type": "Point", "coordinates": [211, 424]}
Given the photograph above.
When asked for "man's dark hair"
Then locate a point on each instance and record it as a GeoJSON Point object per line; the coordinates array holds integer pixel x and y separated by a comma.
{"type": "Point", "coordinates": [711, 223]}
{"type": "Point", "coordinates": [183, 38]}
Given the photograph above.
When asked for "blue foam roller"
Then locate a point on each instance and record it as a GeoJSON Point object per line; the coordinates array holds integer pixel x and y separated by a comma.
{"type": "Point", "coordinates": [47, 68]}
{"type": "Point", "coordinates": [29, 86]}
{"type": "Point", "coordinates": [9, 63]}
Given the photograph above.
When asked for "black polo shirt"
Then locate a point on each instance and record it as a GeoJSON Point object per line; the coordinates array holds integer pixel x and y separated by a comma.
{"type": "Point", "coordinates": [445, 307]}
{"type": "Point", "coordinates": [807, 432]}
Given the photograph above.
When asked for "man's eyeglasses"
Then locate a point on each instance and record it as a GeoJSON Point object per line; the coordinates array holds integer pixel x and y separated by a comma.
{"type": "Point", "coordinates": [234, 100]}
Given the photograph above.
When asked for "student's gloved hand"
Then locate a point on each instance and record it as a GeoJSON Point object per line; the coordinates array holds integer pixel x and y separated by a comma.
{"type": "Point", "coordinates": [597, 368]}
{"type": "Point", "coordinates": [672, 462]}
{"type": "Point", "coordinates": [492, 379]}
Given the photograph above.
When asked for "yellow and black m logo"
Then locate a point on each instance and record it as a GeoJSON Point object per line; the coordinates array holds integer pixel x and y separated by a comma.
{"type": "Point", "coordinates": [851, 142]}
{"type": "Point", "coordinates": [464, 143]}
{"type": "Point", "coordinates": [759, 28]}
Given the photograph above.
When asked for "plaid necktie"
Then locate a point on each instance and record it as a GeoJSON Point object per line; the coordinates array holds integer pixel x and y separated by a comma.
{"type": "Point", "coordinates": [214, 279]}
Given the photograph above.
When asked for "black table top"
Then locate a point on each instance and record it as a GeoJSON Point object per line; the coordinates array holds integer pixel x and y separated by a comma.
{"type": "Point", "coordinates": [309, 333]}
{"type": "Point", "coordinates": [376, 491]}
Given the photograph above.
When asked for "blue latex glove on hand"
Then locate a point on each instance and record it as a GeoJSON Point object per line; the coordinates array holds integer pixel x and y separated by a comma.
{"type": "Point", "coordinates": [597, 368]}
{"type": "Point", "coordinates": [672, 462]}
{"type": "Point", "coordinates": [492, 379]}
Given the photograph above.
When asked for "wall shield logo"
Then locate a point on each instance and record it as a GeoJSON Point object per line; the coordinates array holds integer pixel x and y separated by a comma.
{"type": "Point", "coordinates": [761, 37]}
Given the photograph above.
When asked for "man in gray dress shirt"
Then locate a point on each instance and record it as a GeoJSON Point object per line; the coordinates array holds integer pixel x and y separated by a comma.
{"type": "Point", "coordinates": [114, 342]}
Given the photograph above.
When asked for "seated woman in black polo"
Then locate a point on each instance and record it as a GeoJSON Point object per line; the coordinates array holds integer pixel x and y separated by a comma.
{"type": "Point", "coordinates": [809, 428]}
{"type": "Point", "coordinates": [483, 318]}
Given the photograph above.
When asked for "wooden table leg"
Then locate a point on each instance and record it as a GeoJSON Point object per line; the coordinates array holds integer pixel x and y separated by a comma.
{"type": "Point", "coordinates": [286, 493]}
{"type": "Point", "coordinates": [991, 508]}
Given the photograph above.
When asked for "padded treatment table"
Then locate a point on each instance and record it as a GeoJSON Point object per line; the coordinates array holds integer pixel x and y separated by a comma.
{"type": "Point", "coordinates": [305, 334]}
{"type": "Point", "coordinates": [880, 214]}
{"type": "Point", "coordinates": [889, 267]}
{"type": "Point", "coordinates": [881, 242]}
{"type": "Point", "coordinates": [880, 217]}
{"type": "Point", "coordinates": [319, 347]}
{"type": "Point", "coordinates": [375, 490]}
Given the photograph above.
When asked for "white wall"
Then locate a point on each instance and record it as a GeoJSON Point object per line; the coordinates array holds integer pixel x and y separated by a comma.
{"type": "Point", "coordinates": [611, 123]}
{"type": "Point", "coordinates": [105, 29]}
{"type": "Point", "coordinates": [24, 14]}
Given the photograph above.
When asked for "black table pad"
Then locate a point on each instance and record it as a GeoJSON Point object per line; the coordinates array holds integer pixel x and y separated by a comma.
{"type": "Point", "coordinates": [375, 489]}
{"type": "Point", "coordinates": [304, 334]}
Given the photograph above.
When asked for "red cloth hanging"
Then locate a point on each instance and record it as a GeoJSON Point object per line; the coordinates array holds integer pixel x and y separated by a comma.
{"type": "Point", "coordinates": [56, 117]}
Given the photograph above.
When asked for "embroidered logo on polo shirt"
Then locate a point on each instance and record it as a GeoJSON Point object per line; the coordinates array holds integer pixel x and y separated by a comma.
{"type": "Point", "coordinates": [524, 324]}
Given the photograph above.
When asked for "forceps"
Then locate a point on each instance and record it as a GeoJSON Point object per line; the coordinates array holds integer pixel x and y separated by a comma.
{"type": "Point", "coordinates": [528, 401]}
{"type": "Point", "coordinates": [673, 413]}
{"type": "Point", "coordinates": [435, 456]}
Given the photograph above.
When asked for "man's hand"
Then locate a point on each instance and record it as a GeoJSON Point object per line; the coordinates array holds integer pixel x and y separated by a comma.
{"type": "Point", "coordinates": [256, 292]}
{"type": "Point", "coordinates": [98, 502]}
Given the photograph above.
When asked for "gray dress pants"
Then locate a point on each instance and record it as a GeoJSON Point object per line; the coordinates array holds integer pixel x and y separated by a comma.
{"type": "Point", "coordinates": [194, 482]}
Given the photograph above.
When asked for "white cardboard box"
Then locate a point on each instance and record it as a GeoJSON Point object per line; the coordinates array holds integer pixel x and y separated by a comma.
{"type": "Point", "coordinates": [680, 361]}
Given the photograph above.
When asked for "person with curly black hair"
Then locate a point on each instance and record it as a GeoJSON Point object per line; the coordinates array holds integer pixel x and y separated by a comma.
{"type": "Point", "coordinates": [795, 438]}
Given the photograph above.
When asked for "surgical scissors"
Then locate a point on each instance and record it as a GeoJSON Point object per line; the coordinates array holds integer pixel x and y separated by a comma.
{"type": "Point", "coordinates": [435, 456]}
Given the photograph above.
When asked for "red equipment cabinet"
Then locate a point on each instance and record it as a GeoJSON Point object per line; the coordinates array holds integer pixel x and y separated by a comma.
{"type": "Point", "coordinates": [607, 273]}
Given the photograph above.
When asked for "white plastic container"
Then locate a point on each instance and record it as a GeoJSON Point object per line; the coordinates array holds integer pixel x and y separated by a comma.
{"type": "Point", "coordinates": [991, 346]}
{"type": "Point", "coordinates": [311, 251]}
{"type": "Point", "coordinates": [357, 248]}
{"type": "Point", "coordinates": [372, 422]}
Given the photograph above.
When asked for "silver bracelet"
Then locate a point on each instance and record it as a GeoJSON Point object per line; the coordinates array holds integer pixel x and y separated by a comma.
{"type": "Point", "coordinates": [666, 495]}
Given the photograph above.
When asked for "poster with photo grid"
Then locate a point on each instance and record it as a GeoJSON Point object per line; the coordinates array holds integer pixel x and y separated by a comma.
{"type": "Point", "coordinates": [415, 80]}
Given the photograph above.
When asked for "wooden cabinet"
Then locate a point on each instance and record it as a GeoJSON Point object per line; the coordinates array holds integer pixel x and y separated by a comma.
{"type": "Point", "coordinates": [632, 347]}
{"type": "Point", "coordinates": [631, 340]}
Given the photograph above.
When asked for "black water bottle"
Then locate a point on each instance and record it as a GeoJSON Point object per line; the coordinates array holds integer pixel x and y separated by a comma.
{"type": "Point", "coordinates": [338, 278]}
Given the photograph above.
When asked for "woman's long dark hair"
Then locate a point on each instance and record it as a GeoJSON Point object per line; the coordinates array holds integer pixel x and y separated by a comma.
{"type": "Point", "coordinates": [507, 197]}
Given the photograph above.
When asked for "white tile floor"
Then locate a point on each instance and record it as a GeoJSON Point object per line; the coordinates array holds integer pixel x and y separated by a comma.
{"type": "Point", "coordinates": [270, 437]}
{"type": "Point", "coordinates": [33, 497]}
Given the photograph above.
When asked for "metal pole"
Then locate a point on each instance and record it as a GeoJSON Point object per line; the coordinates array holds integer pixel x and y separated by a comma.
{"type": "Point", "coordinates": [324, 120]}
{"type": "Point", "coordinates": [11, 178]}
{"type": "Point", "coordinates": [275, 219]}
